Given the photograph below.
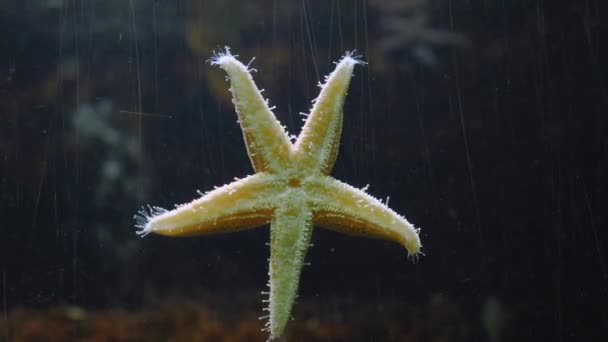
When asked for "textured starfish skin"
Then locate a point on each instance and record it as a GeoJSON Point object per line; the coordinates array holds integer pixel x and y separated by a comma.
{"type": "Point", "coordinates": [291, 188]}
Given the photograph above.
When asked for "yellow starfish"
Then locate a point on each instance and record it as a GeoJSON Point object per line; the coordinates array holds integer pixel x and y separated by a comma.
{"type": "Point", "coordinates": [291, 188]}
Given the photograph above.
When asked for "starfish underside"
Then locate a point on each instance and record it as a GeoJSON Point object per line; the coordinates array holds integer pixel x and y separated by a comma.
{"type": "Point", "coordinates": [291, 189]}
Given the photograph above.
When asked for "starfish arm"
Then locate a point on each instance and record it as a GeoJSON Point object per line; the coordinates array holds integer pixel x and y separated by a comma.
{"type": "Point", "coordinates": [343, 208]}
{"type": "Point", "coordinates": [245, 203]}
{"type": "Point", "coordinates": [290, 228]}
{"type": "Point", "coordinates": [267, 143]}
{"type": "Point", "coordinates": [317, 144]}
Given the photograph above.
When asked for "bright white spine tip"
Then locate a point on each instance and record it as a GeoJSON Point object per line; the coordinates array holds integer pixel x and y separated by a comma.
{"type": "Point", "coordinates": [143, 217]}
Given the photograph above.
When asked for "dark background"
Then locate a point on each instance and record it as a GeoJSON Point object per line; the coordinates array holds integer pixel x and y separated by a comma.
{"type": "Point", "coordinates": [484, 121]}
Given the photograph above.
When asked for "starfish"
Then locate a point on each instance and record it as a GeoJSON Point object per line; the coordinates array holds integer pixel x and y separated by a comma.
{"type": "Point", "coordinates": [291, 188]}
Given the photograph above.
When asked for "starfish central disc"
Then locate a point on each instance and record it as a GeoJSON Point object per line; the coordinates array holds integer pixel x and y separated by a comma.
{"type": "Point", "coordinates": [294, 183]}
